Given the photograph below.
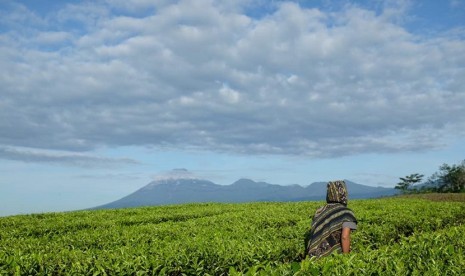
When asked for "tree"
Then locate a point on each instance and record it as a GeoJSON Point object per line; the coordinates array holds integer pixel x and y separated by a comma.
{"type": "Point", "coordinates": [408, 181]}
{"type": "Point", "coordinates": [449, 178]}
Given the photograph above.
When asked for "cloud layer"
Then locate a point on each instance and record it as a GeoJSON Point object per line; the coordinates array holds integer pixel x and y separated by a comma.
{"type": "Point", "coordinates": [209, 75]}
{"type": "Point", "coordinates": [62, 158]}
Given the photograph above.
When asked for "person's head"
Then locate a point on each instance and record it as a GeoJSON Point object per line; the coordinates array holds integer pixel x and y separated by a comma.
{"type": "Point", "coordinates": [337, 192]}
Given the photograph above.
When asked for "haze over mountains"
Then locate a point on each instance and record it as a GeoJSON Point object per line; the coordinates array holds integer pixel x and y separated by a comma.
{"type": "Point", "coordinates": [189, 190]}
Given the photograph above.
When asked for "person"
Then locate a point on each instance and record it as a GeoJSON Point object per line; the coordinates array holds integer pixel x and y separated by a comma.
{"type": "Point", "coordinates": [332, 223]}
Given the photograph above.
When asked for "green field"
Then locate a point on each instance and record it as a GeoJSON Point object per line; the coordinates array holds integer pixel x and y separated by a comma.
{"type": "Point", "coordinates": [396, 236]}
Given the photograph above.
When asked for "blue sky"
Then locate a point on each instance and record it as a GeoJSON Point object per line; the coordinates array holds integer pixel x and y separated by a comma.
{"type": "Point", "coordinates": [98, 98]}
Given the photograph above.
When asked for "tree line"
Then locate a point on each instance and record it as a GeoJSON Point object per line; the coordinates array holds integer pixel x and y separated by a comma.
{"type": "Point", "coordinates": [448, 179]}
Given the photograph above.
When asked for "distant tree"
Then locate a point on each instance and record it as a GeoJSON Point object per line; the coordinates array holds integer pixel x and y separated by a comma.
{"type": "Point", "coordinates": [449, 178]}
{"type": "Point", "coordinates": [408, 181]}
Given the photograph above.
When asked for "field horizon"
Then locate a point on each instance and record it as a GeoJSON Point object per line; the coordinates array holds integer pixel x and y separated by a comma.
{"type": "Point", "coordinates": [396, 235]}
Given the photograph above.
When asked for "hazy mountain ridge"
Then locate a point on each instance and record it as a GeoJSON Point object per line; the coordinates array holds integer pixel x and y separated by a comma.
{"type": "Point", "coordinates": [189, 190]}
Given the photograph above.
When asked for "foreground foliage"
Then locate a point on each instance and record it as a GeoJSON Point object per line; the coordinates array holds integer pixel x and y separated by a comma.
{"type": "Point", "coordinates": [396, 236]}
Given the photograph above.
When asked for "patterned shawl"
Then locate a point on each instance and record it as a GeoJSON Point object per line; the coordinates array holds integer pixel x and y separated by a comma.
{"type": "Point", "coordinates": [325, 234]}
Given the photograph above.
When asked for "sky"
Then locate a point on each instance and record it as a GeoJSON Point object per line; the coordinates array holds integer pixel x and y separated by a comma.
{"type": "Point", "coordinates": [99, 98]}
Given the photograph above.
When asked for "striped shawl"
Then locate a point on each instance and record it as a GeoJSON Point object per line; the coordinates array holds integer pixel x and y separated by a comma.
{"type": "Point", "coordinates": [325, 234]}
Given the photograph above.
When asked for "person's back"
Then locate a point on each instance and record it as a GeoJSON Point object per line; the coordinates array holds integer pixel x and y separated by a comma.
{"type": "Point", "coordinates": [332, 223]}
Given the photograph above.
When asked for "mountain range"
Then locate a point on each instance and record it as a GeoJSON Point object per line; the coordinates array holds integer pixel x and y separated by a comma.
{"type": "Point", "coordinates": [187, 190]}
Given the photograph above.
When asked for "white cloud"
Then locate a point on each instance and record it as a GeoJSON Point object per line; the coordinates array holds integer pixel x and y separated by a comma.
{"type": "Point", "coordinates": [174, 175]}
{"type": "Point", "coordinates": [18, 16]}
{"type": "Point", "coordinates": [230, 95]}
{"type": "Point", "coordinates": [201, 74]}
{"type": "Point", "coordinates": [52, 37]}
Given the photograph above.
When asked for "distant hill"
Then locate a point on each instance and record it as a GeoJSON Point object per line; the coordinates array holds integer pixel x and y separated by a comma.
{"type": "Point", "coordinates": [177, 191]}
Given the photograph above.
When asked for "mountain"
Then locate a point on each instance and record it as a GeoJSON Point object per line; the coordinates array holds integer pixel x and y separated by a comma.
{"type": "Point", "coordinates": [188, 190]}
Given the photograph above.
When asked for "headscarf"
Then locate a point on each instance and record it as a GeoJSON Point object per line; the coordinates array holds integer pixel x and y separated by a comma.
{"type": "Point", "coordinates": [337, 192]}
{"type": "Point", "coordinates": [326, 230]}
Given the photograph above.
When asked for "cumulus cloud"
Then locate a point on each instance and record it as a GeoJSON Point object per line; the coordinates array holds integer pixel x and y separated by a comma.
{"type": "Point", "coordinates": [179, 173]}
{"type": "Point", "coordinates": [206, 75]}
